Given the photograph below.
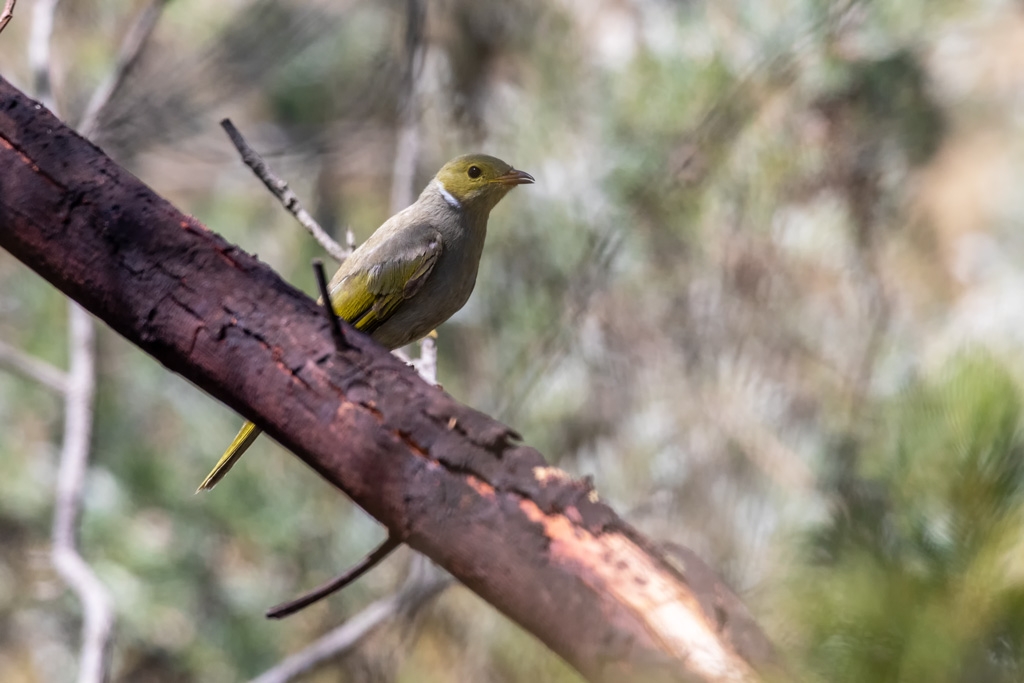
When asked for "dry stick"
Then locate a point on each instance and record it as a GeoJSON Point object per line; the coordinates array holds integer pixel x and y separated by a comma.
{"type": "Point", "coordinates": [33, 368]}
{"type": "Point", "coordinates": [336, 584]}
{"type": "Point", "coordinates": [325, 298]}
{"type": "Point", "coordinates": [280, 189]}
{"type": "Point", "coordinates": [6, 15]}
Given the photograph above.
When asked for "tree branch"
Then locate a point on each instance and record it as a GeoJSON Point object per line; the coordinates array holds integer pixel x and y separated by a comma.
{"type": "Point", "coordinates": [7, 14]}
{"type": "Point", "coordinates": [97, 607]}
{"type": "Point", "coordinates": [389, 545]}
{"type": "Point", "coordinates": [447, 480]}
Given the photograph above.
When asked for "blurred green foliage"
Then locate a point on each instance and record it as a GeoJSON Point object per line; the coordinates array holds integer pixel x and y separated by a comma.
{"type": "Point", "coordinates": [916, 575]}
{"type": "Point", "coordinates": [738, 296]}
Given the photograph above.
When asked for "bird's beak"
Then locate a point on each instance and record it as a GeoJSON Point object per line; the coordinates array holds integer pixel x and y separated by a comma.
{"type": "Point", "coordinates": [515, 177]}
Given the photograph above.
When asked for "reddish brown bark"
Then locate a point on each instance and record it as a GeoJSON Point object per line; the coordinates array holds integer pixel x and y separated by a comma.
{"type": "Point", "coordinates": [452, 482]}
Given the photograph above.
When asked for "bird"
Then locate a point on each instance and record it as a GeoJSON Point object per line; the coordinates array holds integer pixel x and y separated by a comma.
{"type": "Point", "coordinates": [416, 270]}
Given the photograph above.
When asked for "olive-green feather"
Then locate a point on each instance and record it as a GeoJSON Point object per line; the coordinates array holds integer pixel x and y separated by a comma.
{"type": "Point", "coordinates": [246, 435]}
{"type": "Point", "coordinates": [368, 297]}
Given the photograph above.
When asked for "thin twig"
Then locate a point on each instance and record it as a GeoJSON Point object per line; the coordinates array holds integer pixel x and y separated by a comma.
{"type": "Point", "coordinates": [425, 581]}
{"type": "Point", "coordinates": [134, 41]}
{"type": "Point", "coordinates": [426, 364]}
{"type": "Point", "coordinates": [6, 15]}
{"type": "Point", "coordinates": [325, 299]}
{"type": "Point", "coordinates": [97, 607]}
{"type": "Point", "coordinates": [32, 368]}
{"type": "Point", "coordinates": [280, 189]}
{"type": "Point", "coordinates": [390, 544]}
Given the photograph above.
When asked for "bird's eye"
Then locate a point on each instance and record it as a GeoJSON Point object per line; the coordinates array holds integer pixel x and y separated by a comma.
{"type": "Point", "coordinates": [474, 171]}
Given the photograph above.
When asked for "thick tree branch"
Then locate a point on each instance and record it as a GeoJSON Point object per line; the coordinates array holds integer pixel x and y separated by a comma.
{"type": "Point", "coordinates": [449, 481]}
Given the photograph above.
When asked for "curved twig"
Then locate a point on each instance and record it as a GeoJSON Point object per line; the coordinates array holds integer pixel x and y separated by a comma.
{"type": "Point", "coordinates": [336, 584]}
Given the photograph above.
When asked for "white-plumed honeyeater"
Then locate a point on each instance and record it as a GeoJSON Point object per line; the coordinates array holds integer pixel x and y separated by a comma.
{"type": "Point", "coordinates": [417, 269]}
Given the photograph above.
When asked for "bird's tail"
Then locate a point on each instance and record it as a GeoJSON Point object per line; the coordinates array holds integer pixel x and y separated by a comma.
{"type": "Point", "coordinates": [246, 435]}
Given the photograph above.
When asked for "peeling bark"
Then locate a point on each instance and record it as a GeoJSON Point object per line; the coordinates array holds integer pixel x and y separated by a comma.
{"type": "Point", "coordinates": [451, 482]}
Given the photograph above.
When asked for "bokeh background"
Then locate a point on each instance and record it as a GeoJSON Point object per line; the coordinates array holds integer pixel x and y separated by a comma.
{"type": "Point", "coordinates": [768, 291]}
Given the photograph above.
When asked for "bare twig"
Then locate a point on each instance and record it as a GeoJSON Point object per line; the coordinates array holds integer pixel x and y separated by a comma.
{"type": "Point", "coordinates": [336, 584]}
{"type": "Point", "coordinates": [97, 608]}
{"type": "Point", "coordinates": [6, 15]}
{"type": "Point", "coordinates": [425, 581]}
{"type": "Point", "coordinates": [136, 38]}
{"type": "Point", "coordinates": [325, 299]}
{"type": "Point", "coordinates": [31, 367]}
{"type": "Point", "coordinates": [284, 193]}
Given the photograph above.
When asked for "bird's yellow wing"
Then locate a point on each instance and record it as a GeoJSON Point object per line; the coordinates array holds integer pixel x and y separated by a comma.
{"type": "Point", "coordinates": [369, 296]}
{"type": "Point", "coordinates": [364, 297]}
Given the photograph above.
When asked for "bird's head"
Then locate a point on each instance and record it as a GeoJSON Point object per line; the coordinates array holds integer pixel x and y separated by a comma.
{"type": "Point", "coordinates": [477, 181]}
